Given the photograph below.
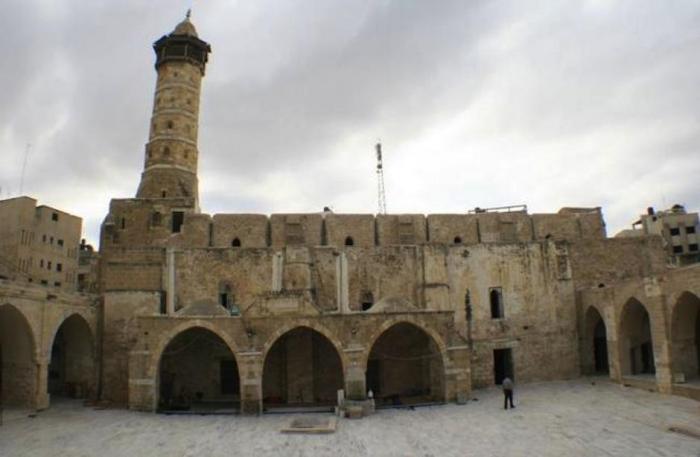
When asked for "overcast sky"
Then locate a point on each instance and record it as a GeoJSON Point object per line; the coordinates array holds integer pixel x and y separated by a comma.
{"type": "Point", "coordinates": [477, 103]}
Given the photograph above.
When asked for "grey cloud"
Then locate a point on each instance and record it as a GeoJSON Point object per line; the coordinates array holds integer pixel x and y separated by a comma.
{"type": "Point", "coordinates": [480, 103]}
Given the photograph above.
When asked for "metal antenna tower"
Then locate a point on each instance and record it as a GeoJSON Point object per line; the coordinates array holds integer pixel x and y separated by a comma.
{"type": "Point", "coordinates": [381, 194]}
{"type": "Point", "coordinates": [24, 168]}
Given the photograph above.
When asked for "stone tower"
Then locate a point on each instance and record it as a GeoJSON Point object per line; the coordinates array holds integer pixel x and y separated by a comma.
{"type": "Point", "coordinates": [170, 168]}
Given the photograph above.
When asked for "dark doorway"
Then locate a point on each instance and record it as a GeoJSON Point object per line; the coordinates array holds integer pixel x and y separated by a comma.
{"type": "Point", "coordinates": [502, 365]}
{"type": "Point", "coordinates": [600, 348]}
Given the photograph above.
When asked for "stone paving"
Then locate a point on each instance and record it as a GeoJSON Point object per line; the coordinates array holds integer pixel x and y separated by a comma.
{"type": "Point", "coordinates": [577, 418]}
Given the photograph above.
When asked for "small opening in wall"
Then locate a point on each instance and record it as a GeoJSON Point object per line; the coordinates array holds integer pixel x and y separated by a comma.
{"type": "Point", "coordinates": [367, 300]}
{"type": "Point", "coordinates": [349, 241]}
{"type": "Point", "coordinates": [170, 124]}
{"type": "Point", "coordinates": [177, 220]}
{"type": "Point", "coordinates": [496, 299]}
{"type": "Point", "coordinates": [675, 231]}
{"type": "Point", "coordinates": [236, 243]}
{"type": "Point", "coordinates": [166, 152]}
{"type": "Point", "coordinates": [458, 240]}
{"type": "Point", "coordinates": [156, 219]}
{"type": "Point", "coordinates": [123, 224]}
{"type": "Point", "coordinates": [54, 216]}
{"type": "Point", "coordinates": [163, 194]}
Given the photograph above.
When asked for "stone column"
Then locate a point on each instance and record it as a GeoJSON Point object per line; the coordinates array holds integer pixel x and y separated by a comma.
{"type": "Point", "coordinates": [660, 339]}
{"type": "Point", "coordinates": [250, 370]}
{"type": "Point", "coordinates": [42, 399]}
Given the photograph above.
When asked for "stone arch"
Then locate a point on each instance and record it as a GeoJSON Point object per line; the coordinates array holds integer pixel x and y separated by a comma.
{"type": "Point", "coordinates": [18, 358]}
{"type": "Point", "coordinates": [187, 379]}
{"type": "Point", "coordinates": [168, 337]}
{"type": "Point", "coordinates": [685, 336]}
{"type": "Point", "coordinates": [71, 356]}
{"type": "Point", "coordinates": [635, 339]}
{"type": "Point", "coordinates": [303, 365]}
{"type": "Point", "coordinates": [414, 371]}
{"type": "Point", "coordinates": [595, 355]}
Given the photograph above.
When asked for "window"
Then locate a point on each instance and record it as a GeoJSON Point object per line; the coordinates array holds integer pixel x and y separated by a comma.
{"type": "Point", "coordinates": [43, 238]}
{"type": "Point", "coordinates": [57, 284]}
{"type": "Point", "coordinates": [166, 152]}
{"type": "Point", "coordinates": [236, 243]}
{"type": "Point", "coordinates": [367, 300]}
{"type": "Point", "coordinates": [163, 194]}
{"type": "Point", "coordinates": [468, 305]}
{"type": "Point", "coordinates": [44, 282]}
{"type": "Point", "coordinates": [123, 224]}
{"type": "Point", "coordinates": [51, 240]}
{"type": "Point", "coordinates": [163, 302]}
{"type": "Point", "coordinates": [59, 267]}
{"type": "Point", "coordinates": [156, 219]}
{"type": "Point", "coordinates": [48, 265]}
{"type": "Point", "coordinates": [349, 241]}
{"type": "Point", "coordinates": [170, 124]}
{"type": "Point", "coordinates": [693, 247]}
{"type": "Point", "coordinates": [177, 220]}
{"type": "Point", "coordinates": [60, 242]}
{"type": "Point", "coordinates": [458, 240]}
{"type": "Point", "coordinates": [690, 229]}
{"type": "Point", "coordinates": [54, 216]}
{"type": "Point", "coordinates": [496, 299]}
{"type": "Point", "coordinates": [41, 263]}
{"type": "Point", "coordinates": [675, 231]}
{"type": "Point", "coordinates": [225, 295]}
{"type": "Point", "coordinates": [677, 249]}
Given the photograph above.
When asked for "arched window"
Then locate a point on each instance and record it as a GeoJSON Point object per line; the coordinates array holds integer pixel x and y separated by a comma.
{"type": "Point", "coordinates": [349, 241]}
{"type": "Point", "coordinates": [236, 243]}
{"type": "Point", "coordinates": [458, 240]}
{"type": "Point", "coordinates": [225, 295]}
{"type": "Point", "coordinates": [496, 299]}
{"type": "Point", "coordinates": [367, 300]}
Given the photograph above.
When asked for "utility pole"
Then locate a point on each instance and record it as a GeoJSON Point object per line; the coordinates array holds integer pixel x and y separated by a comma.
{"type": "Point", "coordinates": [381, 194]}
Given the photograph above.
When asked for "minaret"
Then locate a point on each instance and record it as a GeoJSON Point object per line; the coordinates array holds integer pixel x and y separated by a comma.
{"type": "Point", "coordinates": [170, 168]}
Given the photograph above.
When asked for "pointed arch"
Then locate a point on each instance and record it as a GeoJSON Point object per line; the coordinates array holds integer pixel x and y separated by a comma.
{"type": "Point", "coordinates": [594, 355]}
{"type": "Point", "coordinates": [303, 365]}
{"type": "Point", "coordinates": [197, 370]}
{"type": "Point", "coordinates": [685, 336]}
{"type": "Point", "coordinates": [405, 363]}
{"type": "Point", "coordinates": [635, 339]}
{"type": "Point", "coordinates": [18, 351]}
{"type": "Point", "coordinates": [71, 357]}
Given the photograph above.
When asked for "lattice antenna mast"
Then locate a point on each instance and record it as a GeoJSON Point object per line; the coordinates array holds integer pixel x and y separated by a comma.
{"type": "Point", "coordinates": [381, 194]}
{"type": "Point", "coordinates": [24, 168]}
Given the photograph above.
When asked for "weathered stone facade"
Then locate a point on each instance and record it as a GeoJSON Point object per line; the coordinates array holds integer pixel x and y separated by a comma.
{"type": "Point", "coordinates": [258, 312]}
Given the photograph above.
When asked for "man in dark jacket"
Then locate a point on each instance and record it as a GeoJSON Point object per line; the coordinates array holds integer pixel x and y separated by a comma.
{"type": "Point", "coordinates": [507, 392]}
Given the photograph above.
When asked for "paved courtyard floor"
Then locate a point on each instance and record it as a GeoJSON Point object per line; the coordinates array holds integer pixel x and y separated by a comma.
{"type": "Point", "coordinates": [560, 419]}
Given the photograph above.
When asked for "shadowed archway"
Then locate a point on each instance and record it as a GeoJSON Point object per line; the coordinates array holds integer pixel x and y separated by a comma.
{"type": "Point", "coordinates": [18, 368]}
{"type": "Point", "coordinates": [405, 366]}
{"type": "Point", "coordinates": [636, 344]}
{"type": "Point", "coordinates": [302, 369]}
{"type": "Point", "coordinates": [595, 344]}
{"type": "Point", "coordinates": [72, 360]}
{"type": "Point", "coordinates": [198, 373]}
{"type": "Point", "coordinates": [685, 336]}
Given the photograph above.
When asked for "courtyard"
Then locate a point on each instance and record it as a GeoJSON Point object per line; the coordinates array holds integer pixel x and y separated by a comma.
{"type": "Point", "coordinates": [585, 417]}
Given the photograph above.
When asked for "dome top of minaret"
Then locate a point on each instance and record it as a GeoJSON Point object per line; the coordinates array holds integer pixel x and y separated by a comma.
{"type": "Point", "coordinates": [185, 27]}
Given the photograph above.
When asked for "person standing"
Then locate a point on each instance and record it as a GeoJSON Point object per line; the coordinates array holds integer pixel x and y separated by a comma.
{"type": "Point", "coordinates": [507, 385]}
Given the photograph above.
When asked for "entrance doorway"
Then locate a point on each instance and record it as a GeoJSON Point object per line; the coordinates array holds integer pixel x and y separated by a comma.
{"type": "Point", "coordinates": [635, 334]}
{"type": "Point", "coordinates": [600, 348]}
{"type": "Point", "coordinates": [502, 365]}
